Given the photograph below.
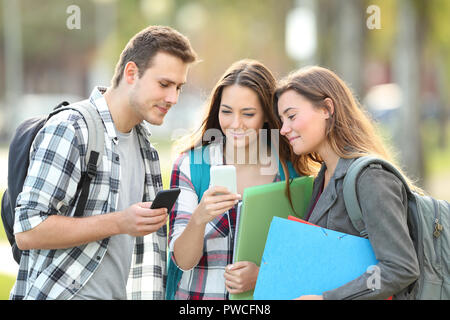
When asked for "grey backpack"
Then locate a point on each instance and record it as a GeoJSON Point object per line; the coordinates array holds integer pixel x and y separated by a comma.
{"type": "Point", "coordinates": [429, 227]}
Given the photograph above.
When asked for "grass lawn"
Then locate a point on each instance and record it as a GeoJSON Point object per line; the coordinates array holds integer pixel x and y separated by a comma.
{"type": "Point", "coordinates": [2, 231]}
{"type": "Point", "coordinates": [436, 159]}
{"type": "Point", "coordinates": [6, 283]}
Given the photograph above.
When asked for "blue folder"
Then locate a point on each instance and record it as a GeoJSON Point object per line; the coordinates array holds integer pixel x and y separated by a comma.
{"type": "Point", "coordinates": [301, 259]}
{"type": "Point", "coordinates": [259, 205]}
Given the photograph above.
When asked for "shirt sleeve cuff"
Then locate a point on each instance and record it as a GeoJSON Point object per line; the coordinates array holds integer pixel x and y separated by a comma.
{"type": "Point", "coordinates": [33, 219]}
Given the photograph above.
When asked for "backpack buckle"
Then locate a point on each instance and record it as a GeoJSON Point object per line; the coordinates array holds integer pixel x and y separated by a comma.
{"type": "Point", "coordinates": [91, 170]}
{"type": "Point", "coordinates": [92, 164]}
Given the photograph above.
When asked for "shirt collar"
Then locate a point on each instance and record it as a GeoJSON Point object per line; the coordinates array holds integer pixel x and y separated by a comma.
{"type": "Point", "coordinates": [99, 101]}
{"type": "Point", "coordinates": [341, 168]}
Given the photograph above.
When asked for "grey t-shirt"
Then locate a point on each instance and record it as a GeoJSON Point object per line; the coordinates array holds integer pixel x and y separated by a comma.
{"type": "Point", "coordinates": [110, 279]}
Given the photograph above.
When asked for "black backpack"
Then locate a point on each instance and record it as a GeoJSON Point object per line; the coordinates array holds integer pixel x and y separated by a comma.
{"type": "Point", "coordinates": [18, 162]}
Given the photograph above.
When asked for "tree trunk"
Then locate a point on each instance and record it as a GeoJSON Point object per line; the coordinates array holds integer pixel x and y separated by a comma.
{"type": "Point", "coordinates": [350, 45]}
{"type": "Point", "coordinates": [406, 75]}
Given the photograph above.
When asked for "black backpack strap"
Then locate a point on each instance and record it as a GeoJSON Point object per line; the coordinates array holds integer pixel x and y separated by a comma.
{"type": "Point", "coordinates": [85, 183]}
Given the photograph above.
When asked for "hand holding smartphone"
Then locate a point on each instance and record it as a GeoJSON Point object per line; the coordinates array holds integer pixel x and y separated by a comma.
{"type": "Point", "coordinates": [224, 176]}
{"type": "Point", "coordinates": [165, 199]}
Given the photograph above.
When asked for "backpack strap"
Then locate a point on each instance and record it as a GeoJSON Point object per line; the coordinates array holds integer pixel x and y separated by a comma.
{"type": "Point", "coordinates": [95, 148]}
{"type": "Point", "coordinates": [291, 170]}
{"type": "Point", "coordinates": [96, 136]}
{"type": "Point", "coordinates": [200, 170]}
{"type": "Point", "coordinates": [350, 193]}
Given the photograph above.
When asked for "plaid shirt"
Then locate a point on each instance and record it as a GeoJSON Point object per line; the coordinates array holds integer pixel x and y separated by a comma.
{"type": "Point", "coordinates": [57, 157]}
{"type": "Point", "coordinates": [206, 280]}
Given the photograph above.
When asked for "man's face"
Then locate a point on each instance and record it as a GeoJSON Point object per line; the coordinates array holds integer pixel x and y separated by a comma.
{"type": "Point", "coordinates": [156, 91]}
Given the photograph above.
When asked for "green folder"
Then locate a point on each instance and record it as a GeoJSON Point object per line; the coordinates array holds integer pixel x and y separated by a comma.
{"type": "Point", "coordinates": [259, 205]}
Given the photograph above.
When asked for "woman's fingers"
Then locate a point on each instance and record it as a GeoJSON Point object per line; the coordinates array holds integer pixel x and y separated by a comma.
{"type": "Point", "coordinates": [225, 205]}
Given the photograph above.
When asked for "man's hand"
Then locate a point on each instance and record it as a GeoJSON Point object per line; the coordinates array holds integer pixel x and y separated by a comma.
{"type": "Point", "coordinates": [139, 220]}
{"type": "Point", "coordinates": [60, 232]}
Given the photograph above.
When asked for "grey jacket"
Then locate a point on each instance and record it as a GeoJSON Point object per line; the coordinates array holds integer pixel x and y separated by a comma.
{"type": "Point", "coordinates": [383, 202]}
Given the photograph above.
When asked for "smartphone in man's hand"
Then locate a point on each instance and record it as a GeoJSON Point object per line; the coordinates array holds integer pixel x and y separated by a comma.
{"type": "Point", "coordinates": [165, 199]}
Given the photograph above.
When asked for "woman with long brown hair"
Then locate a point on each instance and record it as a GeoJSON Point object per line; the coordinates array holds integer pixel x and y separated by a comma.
{"type": "Point", "coordinates": [239, 113]}
{"type": "Point", "coordinates": [323, 121]}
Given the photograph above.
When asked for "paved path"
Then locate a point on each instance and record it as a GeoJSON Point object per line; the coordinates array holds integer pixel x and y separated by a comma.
{"type": "Point", "coordinates": [7, 263]}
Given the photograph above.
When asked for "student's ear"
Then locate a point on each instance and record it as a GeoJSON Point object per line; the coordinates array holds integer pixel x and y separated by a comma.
{"type": "Point", "coordinates": [130, 72]}
{"type": "Point", "coordinates": [330, 107]}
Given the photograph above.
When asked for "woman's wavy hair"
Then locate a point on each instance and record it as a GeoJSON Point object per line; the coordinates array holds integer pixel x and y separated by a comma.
{"type": "Point", "coordinates": [254, 75]}
{"type": "Point", "coordinates": [349, 131]}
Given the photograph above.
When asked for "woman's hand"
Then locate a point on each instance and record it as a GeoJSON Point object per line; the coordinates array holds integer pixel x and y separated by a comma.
{"type": "Point", "coordinates": [215, 201]}
{"type": "Point", "coordinates": [241, 276]}
{"type": "Point", "coordinates": [188, 248]}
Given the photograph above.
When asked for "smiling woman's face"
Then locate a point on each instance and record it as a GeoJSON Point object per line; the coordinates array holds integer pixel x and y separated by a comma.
{"type": "Point", "coordinates": [303, 124]}
{"type": "Point", "coordinates": [240, 115]}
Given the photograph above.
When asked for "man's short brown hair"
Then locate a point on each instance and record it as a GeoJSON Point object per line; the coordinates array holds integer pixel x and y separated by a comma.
{"type": "Point", "coordinates": [147, 43]}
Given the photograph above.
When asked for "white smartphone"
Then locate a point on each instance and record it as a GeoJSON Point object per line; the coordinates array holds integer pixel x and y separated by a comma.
{"type": "Point", "coordinates": [223, 176]}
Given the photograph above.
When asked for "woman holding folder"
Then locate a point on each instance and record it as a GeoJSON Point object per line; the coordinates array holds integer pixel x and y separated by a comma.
{"type": "Point", "coordinates": [322, 120]}
{"type": "Point", "coordinates": [201, 226]}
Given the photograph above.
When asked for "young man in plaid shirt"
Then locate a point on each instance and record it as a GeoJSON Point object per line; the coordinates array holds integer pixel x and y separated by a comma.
{"type": "Point", "coordinates": [117, 249]}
